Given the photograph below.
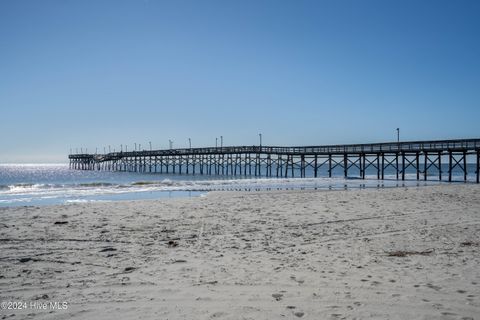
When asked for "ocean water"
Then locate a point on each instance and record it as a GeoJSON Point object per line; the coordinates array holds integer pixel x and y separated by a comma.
{"type": "Point", "coordinates": [46, 184]}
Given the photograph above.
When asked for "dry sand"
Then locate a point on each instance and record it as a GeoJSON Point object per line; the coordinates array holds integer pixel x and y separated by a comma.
{"type": "Point", "coordinates": [401, 253]}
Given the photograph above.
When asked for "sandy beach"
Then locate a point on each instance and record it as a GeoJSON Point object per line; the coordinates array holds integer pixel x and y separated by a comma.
{"type": "Point", "coordinates": [398, 253]}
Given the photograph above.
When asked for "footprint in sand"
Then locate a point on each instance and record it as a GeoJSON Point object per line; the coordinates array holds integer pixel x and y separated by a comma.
{"type": "Point", "coordinates": [218, 314]}
{"type": "Point", "coordinates": [431, 286]}
{"type": "Point", "coordinates": [448, 314]}
{"type": "Point", "coordinates": [277, 296]}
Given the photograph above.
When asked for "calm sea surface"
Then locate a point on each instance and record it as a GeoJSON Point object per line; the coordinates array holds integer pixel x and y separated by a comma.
{"type": "Point", "coordinates": [45, 184]}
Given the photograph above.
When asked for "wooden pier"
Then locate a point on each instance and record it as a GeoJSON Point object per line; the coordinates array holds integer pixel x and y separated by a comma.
{"type": "Point", "coordinates": [422, 158]}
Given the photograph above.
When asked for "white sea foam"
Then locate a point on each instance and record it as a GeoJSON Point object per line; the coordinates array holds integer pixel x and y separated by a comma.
{"type": "Point", "coordinates": [84, 201]}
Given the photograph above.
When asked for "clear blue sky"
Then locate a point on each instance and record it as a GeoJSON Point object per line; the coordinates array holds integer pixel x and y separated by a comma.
{"type": "Point", "coordinates": [94, 73]}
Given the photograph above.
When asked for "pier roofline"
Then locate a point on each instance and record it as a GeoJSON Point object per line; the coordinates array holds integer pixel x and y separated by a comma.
{"type": "Point", "coordinates": [423, 157]}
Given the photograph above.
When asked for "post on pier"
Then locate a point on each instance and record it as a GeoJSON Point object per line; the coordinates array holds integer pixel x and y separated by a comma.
{"type": "Point", "coordinates": [439, 165]}
{"type": "Point", "coordinates": [425, 167]}
{"type": "Point", "coordinates": [478, 166]}
{"type": "Point", "coordinates": [378, 166]}
{"type": "Point", "coordinates": [292, 163]}
{"type": "Point", "coordinates": [450, 159]}
{"type": "Point", "coordinates": [396, 163]}
{"type": "Point", "coordinates": [362, 165]}
{"type": "Point", "coordinates": [194, 161]}
{"type": "Point", "coordinates": [417, 160]}
{"type": "Point", "coordinates": [383, 166]}
{"type": "Point", "coordinates": [329, 165]}
{"type": "Point", "coordinates": [269, 166]}
{"type": "Point", "coordinates": [302, 166]}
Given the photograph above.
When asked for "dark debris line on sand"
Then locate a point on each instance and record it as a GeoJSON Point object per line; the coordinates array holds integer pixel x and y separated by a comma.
{"type": "Point", "coordinates": [404, 253]}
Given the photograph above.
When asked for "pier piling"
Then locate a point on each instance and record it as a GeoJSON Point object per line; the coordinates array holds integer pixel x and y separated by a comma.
{"type": "Point", "coordinates": [270, 161]}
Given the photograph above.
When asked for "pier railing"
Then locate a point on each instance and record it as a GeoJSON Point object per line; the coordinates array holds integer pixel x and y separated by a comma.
{"type": "Point", "coordinates": [370, 148]}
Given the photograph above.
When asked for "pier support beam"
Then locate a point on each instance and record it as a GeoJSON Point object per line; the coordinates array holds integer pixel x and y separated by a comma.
{"type": "Point", "coordinates": [329, 165]}
{"type": "Point", "coordinates": [450, 166]}
{"type": "Point", "coordinates": [478, 166]}
{"type": "Point", "coordinates": [460, 161]}
{"type": "Point", "coordinates": [396, 163]}
{"type": "Point", "coordinates": [439, 166]}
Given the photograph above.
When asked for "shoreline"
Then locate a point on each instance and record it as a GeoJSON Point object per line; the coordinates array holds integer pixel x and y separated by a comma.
{"type": "Point", "coordinates": [400, 252]}
{"type": "Point", "coordinates": [145, 195]}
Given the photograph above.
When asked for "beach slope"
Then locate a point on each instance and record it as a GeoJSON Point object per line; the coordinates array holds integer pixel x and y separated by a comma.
{"type": "Point", "coordinates": [399, 253]}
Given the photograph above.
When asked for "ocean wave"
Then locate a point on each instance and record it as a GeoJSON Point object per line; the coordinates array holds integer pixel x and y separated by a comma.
{"type": "Point", "coordinates": [96, 184]}
{"type": "Point", "coordinates": [102, 187]}
{"type": "Point", "coordinates": [31, 187]}
{"type": "Point", "coordinates": [97, 188]}
{"type": "Point", "coordinates": [144, 183]}
{"type": "Point", "coordinates": [25, 187]}
{"type": "Point", "coordinates": [29, 192]}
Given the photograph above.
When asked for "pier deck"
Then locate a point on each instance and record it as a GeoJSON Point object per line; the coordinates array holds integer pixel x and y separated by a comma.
{"type": "Point", "coordinates": [423, 158]}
